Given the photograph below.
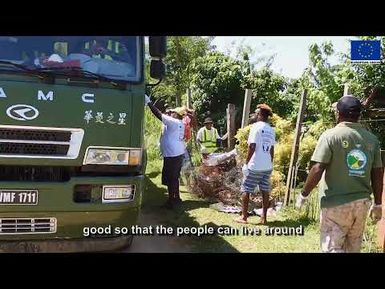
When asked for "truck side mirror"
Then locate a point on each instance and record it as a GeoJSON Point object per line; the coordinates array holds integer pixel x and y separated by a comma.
{"type": "Point", "coordinates": [157, 69]}
{"type": "Point", "coordinates": [157, 46]}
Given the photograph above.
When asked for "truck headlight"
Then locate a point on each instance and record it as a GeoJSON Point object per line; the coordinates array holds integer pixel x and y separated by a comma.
{"type": "Point", "coordinates": [118, 194]}
{"type": "Point", "coordinates": [113, 156]}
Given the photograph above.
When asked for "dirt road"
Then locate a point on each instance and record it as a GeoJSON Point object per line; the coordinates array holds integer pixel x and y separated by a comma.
{"type": "Point", "coordinates": [156, 243]}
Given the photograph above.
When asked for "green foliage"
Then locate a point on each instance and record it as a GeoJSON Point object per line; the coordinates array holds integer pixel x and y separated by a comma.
{"type": "Point", "coordinates": [278, 185]}
{"type": "Point", "coordinates": [284, 142]}
{"type": "Point", "coordinates": [307, 147]}
{"type": "Point", "coordinates": [370, 243]}
{"type": "Point", "coordinates": [152, 132]}
{"type": "Point", "coordinates": [268, 87]}
{"type": "Point", "coordinates": [241, 137]}
{"type": "Point", "coordinates": [181, 53]}
{"type": "Point", "coordinates": [310, 210]}
{"type": "Point", "coordinates": [317, 128]}
{"type": "Point", "coordinates": [282, 153]}
{"type": "Point", "coordinates": [220, 79]}
{"type": "Point", "coordinates": [216, 82]}
{"type": "Point", "coordinates": [323, 82]}
{"type": "Point", "coordinates": [309, 142]}
{"type": "Point", "coordinates": [281, 126]}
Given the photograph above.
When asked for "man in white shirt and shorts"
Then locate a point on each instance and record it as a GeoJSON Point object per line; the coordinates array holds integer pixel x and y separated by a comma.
{"type": "Point", "coordinates": [259, 164]}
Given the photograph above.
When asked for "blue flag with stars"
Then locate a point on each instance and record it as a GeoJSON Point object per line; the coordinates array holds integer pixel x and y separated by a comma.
{"type": "Point", "coordinates": [365, 50]}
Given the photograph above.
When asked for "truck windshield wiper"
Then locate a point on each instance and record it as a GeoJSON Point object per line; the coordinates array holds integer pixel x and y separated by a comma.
{"type": "Point", "coordinates": [10, 63]}
{"type": "Point", "coordinates": [77, 71]}
{"type": "Point", "coordinates": [22, 68]}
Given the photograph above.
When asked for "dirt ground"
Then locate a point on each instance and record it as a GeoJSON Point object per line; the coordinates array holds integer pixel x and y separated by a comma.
{"type": "Point", "coordinates": [156, 243]}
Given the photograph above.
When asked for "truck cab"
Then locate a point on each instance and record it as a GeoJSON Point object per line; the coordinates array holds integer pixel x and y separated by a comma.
{"type": "Point", "coordinates": [71, 141]}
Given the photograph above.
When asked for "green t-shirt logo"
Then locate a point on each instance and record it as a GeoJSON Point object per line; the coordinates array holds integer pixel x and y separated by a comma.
{"type": "Point", "coordinates": [356, 161]}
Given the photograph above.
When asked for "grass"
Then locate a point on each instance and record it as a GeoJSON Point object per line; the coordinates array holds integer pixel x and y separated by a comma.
{"type": "Point", "coordinates": [195, 212]}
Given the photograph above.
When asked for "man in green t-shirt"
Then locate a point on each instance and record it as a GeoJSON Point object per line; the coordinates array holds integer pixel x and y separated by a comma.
{"type": "Point", "coordinates": [348, 159]}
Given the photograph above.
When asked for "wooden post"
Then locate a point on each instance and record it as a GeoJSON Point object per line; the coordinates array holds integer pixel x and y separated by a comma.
{"type": "Point", "coordinates": [246, 107]}
{"type": "Point", "coordinates": [189, 105]}
{"type": "Point", "coordinates": [295, 149]}
{"type": "Point", "coordinates": [346, 89]}
{"type": "Point", "coordinates": [230, 112]}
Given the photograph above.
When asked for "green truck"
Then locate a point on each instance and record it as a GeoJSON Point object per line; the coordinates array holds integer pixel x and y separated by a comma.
{"type": "Point", "coordinates": [72, 159]}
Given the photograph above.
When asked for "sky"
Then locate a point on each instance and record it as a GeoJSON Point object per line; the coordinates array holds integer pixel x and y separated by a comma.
{"type": "Point", "coordinates": [292, 52]}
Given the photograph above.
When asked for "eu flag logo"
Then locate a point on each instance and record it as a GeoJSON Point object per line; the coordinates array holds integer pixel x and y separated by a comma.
{"type": "Point", "coordinates": [365, 50]}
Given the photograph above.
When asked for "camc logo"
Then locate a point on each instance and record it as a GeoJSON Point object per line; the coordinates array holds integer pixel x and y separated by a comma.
{"type": "Point", "coordinates": [22, 112]}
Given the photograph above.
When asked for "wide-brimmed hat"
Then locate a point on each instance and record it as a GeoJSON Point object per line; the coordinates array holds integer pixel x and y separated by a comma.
{"type": "Point", "coordinates": [179, 110]}
{"type": "Point", "coordinates": [208, 120]}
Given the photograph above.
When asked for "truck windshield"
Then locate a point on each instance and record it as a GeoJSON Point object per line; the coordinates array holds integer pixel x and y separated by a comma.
{"type": "Point", "coordinates": [115, 57]}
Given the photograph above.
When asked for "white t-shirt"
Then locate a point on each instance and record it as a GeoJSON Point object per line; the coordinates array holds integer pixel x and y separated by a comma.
{"type": "Point", "coordinates": [172, 140]}
{"type": "Point", "coordinates": [263, 135]}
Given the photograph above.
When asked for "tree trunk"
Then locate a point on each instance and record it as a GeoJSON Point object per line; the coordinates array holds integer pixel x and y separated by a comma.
{"type": "Point", "coordinates": [178, 100]}
{"type": "Point", "coordinates": [230, 112]}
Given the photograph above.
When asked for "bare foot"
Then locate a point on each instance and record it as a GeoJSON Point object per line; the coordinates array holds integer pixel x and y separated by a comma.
{"type": "Point", "coordinates": [241, 220]}
{"type": "Point", "coordinates": [263, 221]}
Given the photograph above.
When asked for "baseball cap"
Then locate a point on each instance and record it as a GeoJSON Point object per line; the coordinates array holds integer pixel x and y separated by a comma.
{"type": "Point", "coordinates": [349, 104]}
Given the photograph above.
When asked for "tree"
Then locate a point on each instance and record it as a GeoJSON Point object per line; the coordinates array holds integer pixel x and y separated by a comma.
{"type": "Point", "coordinates": [220, 79]}
{"type": "Point", "coordinates": [217, 81]}
{"type": "Point", "coordinates": [269, 87]}
{"type": "Point", "coordinates": [181, 52]}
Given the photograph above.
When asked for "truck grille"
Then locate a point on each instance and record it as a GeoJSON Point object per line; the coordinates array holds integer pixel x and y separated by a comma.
{"type": "Point", "coordinates": [33, 134]}
{"type": "Point", "coordinates": [11, 226]}
{"type": "Point", "coordinates": [34, 174]}
{"type": "Point", "coordinates": [33, 149]}
{"type": "Point", "coordinates": [40, 142]}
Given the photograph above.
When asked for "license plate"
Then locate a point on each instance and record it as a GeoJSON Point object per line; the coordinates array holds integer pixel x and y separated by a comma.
{"type": "Point", "coordinates": [19, 197]}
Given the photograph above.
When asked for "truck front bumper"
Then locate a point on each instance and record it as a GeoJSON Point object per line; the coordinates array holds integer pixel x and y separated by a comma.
{"type": "Point", "coordinates": [57, 205]}
{"type": "Point", "coordinates": [66, 246]}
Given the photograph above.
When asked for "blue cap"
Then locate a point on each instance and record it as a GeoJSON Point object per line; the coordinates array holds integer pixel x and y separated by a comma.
{"type": "Point", "coordinates": [349, 104]}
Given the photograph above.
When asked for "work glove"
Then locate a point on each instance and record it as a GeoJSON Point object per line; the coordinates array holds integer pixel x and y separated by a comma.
{"type": "Point", "coordinates": [147, 99]}
{"type": "Point", "coordinates": [375, 212]}
{"type": "Point", "coordinates": [300, 201]}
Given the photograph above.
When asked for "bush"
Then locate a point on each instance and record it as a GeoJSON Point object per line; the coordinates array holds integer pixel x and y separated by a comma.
{"type": "Point", "coordinates": [317, 128]}
{"type": "Point", "coordinates": [282, 127]}
{"type": "Point", "coordinates": [284, 130]}
{"type": "Point", "coordinates": [309, 142]}
{"type": "Point", "coordinates": [282, 153]}
{"type": "Point", "coordinates": [306, 150]}
{"type": "Point", "coordinates": [241, 137]}
{"type": "Point", "coordinates": [278, 185]}
{"type": "Point", "coordinates": [152, 132]}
